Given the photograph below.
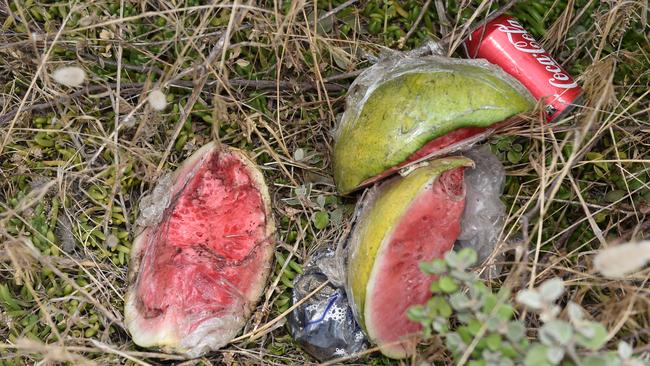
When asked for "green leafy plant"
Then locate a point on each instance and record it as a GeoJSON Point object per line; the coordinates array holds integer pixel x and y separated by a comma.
{"type": "Point", "coordinates": [479, 327]}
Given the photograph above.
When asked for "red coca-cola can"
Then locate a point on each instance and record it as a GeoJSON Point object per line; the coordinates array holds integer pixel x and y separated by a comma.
{"type": "Point", "coordinates": [504, 42]}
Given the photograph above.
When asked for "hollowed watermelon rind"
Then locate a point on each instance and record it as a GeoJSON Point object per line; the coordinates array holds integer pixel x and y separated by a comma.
{"type": "Point", "coordinates": [379, 215]}
{"type": "Point", "coordinates": [415, 102]}
{"type": "Point", "coordinates": [212, 334]}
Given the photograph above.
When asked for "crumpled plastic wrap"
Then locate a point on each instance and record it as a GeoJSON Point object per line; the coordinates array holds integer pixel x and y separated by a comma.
{"type": "Point", "coordinates": [201, 261]}
{"type": "Point", "coordinates": [324, 325]}
{"type": "Point", "coordinates": [484, 214]}
{"type": "Point", "coordinates": [389, 69]}
{"type": "Point", "coordinates": [409, 62]}
{"type": "Point", "coordinates": [154, 204]}
{"type": "Point", "coordinates": [390, 125]}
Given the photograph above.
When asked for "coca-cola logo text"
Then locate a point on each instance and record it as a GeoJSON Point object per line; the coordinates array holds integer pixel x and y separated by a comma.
{"type": "Point", "coordinates": [524, 42]}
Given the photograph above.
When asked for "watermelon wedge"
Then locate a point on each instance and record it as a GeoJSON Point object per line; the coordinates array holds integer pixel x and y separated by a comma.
{"type": "Point", "coordinates": [402, 222]}
{"type": "Point", "coordinates": [196, 274]}
{"type": "Point", "coordinates": [419, 109]}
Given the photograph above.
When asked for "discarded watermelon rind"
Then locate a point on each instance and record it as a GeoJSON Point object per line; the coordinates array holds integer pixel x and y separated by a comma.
{"type": "Point", "coordinates": [379, 215]}
{"type": "Point", "coordinates": [409, 108]}
{"type": "Point", "coordinates": [215, 333]}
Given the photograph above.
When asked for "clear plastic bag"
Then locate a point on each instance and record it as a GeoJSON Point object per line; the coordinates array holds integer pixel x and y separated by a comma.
{"type": "Point", "coordinates": [484, 214]}
{"type": "Point", "coordinates": [153, 205]}
{"type": "Point", "coordinates": [201, 261]}
{"type": "Point", "coordinates": [399, 64]}
{"type": "Point", "coordinates": [325, 324]}
{"type": "Point", "coordinates": [409, 108]}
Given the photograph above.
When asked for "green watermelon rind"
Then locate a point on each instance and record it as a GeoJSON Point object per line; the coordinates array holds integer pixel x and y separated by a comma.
{"type": "Point", "coordinates": [370, 138]}
{"type": "Point", "coordinates": [378, 216]}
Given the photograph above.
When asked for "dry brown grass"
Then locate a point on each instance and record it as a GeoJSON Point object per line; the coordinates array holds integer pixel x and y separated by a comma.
{"type": "Point", "coordinates": [268, 78]}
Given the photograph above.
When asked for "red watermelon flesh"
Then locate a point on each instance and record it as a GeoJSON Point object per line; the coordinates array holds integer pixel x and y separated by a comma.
{"type": "Point", "coordinates": [203, 266]}
{"type": "Point", "coordinates": [430, 149]}
{"type": "Point", "coordinates": [427, 231]}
